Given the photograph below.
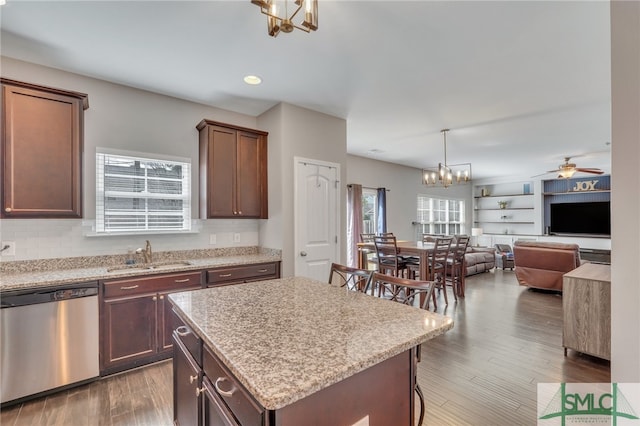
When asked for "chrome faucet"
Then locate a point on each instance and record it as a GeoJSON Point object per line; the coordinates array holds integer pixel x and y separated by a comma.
{"type": "Point", "coordinates": [146, 253]}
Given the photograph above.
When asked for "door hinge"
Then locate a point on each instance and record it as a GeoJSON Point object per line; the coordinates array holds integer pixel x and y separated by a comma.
{"type": "Point", "coordinates": [336, 240]}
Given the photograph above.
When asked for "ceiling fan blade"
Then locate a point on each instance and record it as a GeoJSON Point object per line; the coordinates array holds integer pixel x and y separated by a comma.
{"type": "Point", "coordinates": [594, 171]}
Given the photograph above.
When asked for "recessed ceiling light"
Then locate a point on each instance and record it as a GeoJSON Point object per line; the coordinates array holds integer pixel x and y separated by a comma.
{"type": "Point", "coordinates": [252, 79]}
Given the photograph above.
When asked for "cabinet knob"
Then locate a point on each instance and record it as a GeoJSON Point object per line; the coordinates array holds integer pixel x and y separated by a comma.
{"type": "Point", "coordinates": [193, 378]}
{"type": "Point", "coordinates": [199, 391]}
{"type": "Point", "coordinates": [239, 211]}
{"type": "Point", "coordinates": [7, 209]}
{"type": "Point", "coordinates": [154, 298]}
{"type": "Point", "coordinates": [161, 296]}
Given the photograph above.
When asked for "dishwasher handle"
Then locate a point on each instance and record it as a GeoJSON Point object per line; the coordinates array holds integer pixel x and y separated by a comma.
{"type": "Point", "coordinates": [34, 296]}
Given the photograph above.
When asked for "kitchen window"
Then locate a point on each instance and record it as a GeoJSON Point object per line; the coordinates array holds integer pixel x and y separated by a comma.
{"type": "Point", "coordinates": [439, 216]}
{"type": "Point", "coordinates": [139, 193]}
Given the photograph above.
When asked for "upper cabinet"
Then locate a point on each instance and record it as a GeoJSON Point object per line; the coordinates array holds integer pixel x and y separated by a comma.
{"type": "Point", "coordinates": [233, 171]}
{"type": "Point", "coordinates": [42, 142]}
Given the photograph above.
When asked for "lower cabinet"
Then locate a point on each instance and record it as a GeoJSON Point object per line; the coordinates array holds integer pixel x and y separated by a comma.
{"type": "Point", "coordinates": [243, 273]}
{"type": "Point", "coordinates": [136, 321]}
{"type": "Point", "coordinates": [203, 392]}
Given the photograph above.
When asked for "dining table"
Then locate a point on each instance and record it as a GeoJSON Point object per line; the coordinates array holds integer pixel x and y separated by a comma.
{"type": "Point", "coordinates": [419, 249]}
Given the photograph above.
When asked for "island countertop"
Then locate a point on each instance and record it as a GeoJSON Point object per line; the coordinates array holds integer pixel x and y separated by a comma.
{"type": "Point", "coordinates": [285, 339]}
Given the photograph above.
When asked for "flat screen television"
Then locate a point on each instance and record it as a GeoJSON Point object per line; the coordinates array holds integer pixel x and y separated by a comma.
{"type": "Point", "coordinates": [584, 218]}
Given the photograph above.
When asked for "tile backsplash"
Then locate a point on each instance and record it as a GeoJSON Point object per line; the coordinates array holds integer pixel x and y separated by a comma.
{"type": "Point", "coordinates": [56, 238]}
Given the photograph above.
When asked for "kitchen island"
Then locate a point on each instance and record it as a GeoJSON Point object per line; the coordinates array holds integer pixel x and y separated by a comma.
{"type": "Point", "coordinates": [293, 351]}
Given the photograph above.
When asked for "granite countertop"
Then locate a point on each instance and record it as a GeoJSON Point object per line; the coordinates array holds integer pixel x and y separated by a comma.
{"type": "Point", "coordinates": [18, 280]}
{"type": "Point", "coordinates": [285, 339]}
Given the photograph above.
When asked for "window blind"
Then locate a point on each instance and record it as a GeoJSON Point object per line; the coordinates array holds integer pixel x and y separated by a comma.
{"type": "Point", "coordinates": [135, 194]}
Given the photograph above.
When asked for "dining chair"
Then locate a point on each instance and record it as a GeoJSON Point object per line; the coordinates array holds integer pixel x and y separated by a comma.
{"type": "Point", "coordinates": [387, 253]}
{"type": "Point", "coordinates": [368, 254]}
{"type": "Point", "coordinates": [352, 278]}
{"type": "Point", "coordinates": [408, 292]}
{"type": "Point", "coordinates": [436, 266]}
{"type": "Point", "coordinates": [456, 266]}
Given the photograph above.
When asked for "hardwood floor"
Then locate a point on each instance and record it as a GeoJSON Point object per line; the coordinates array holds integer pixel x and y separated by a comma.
{"type": "Point", "coordinates": [485, 371]}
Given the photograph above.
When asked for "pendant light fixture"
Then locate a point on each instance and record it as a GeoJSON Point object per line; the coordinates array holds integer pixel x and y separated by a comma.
{"type": "Point", "coordinates": [281, 14]}
{"type": "Point", "coordinates": [446, 174]}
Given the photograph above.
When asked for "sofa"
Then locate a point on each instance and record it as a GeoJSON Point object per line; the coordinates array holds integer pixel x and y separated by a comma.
{"type": "Point", "coordinates": [542, 264]}
{"type": "Point", "coordinates": [479, 259]}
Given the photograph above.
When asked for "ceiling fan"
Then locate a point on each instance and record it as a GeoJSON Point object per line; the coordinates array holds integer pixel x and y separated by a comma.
{"type": "Point", "coordinates": [567, 169]}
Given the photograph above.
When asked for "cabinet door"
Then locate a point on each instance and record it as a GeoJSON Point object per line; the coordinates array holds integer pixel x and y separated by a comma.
{"type": "Point", "coordinates": [41, 153]}
{"type": "Point", "coordinates": [187, 377]}
{"type": "Point", "coordinates": [249, 175]}
{"type": "Point", "coordinates": [221, 171]}
{"type": "Point", "coordinates": [129, 329]}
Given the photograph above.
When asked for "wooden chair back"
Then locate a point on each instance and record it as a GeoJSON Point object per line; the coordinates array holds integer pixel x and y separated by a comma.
{"type": "Point", "coordinates": [352, 278]}
{"type": "Point", "coordinates": [387, 254]}
{"type": "Point", "coordinates": [404, 290]}
{"type": "Point", "coordinates": [438, 257]}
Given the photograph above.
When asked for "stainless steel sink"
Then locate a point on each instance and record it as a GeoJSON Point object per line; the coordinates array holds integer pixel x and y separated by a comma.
{"type": "Point", "coordinates": [150, 266]}
{"type": "Point", "coordinates": [169, 264]}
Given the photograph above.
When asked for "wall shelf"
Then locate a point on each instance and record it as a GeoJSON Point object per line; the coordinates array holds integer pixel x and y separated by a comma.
{"type": "Point", "coordinates": [501, 195]}
{"type": "Point", "coordinates": [577, 192]}
{"type": "Point", "coordinates": [505, 222]}
{"type": "Point", "coordinates": [508, 208]}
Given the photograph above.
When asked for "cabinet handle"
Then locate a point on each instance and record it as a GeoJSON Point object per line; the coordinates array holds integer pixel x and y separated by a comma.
{"type": "Point", "coordinates": [182, 331]}
{"type": "Point", "coordinates": [185, 280]}
{"type": "Point", "coordinates": [199, 391]}
{"type": "Point", "coordinates": [224, 275]}
{"type": "Point", "coordinates": [129, 287]}
{"type": "Point", "coordinates": [7, 209]}
{"type": "Point", "coordinates": [228, 393]}
{"type": "Point", "coordinates": [193, 378]}
{"type": "Point", "coordinates": [262, 270]}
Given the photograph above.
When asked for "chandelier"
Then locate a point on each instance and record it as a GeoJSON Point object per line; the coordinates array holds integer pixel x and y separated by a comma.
{"type": "Point", "coordinates": [280, 18]}
{"type": "Point", "coordinates": [445, 174]}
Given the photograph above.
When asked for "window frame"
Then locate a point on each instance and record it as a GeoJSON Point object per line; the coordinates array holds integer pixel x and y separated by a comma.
{"type": "Point", "coordinates": [441, 223]}
{"type": "Point", "coordinates": [148, 216]}
{"type": "Point", "coordinates": [373, 223]}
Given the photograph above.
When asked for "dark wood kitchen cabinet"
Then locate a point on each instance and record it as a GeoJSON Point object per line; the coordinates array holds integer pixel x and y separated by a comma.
{"type": "Point", "coordinates": [233, 171]}
{"type": "Point", "coordinates": [243, 273]}
{"type": "Point", "coordinates": [42, 144]}
{"type": "Point", "coordinates": [135, 319]}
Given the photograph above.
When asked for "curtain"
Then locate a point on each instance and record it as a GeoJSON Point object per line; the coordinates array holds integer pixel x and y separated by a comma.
{"type": "Point", "coordinates": [354, 222]}
{"type": "Point", "coordinates": [382, 210]}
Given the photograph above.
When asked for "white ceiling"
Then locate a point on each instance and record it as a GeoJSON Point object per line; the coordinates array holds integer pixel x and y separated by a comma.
{"type": "Point", "coordinates": [520, 84]}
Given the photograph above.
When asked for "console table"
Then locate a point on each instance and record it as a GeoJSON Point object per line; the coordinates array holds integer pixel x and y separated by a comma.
{"type": "Point", "coordinates": [586, 305]}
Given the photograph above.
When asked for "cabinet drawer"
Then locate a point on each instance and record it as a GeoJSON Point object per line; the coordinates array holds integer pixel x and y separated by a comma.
{"type": "Point", "coordinates": [215, 411]}
{"type": "Point", "coordinates": [151, 284]}
{"type": "Point", "coordinates": [242, 273]}
{"type": "Point", "coordinates": [243, 407]}
{"type": "Point", "coordinates": [188, 338]}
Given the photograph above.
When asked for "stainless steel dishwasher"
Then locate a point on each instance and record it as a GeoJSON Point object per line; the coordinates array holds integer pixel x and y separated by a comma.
{"type": "Point", "coordinates": [49, 339]}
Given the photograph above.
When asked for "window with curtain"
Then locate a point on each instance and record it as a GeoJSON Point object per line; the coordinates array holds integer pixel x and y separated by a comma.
{"type": "Point", "coordinates": [440, 216]}
{"type": "Point", "coordinates": [369, 211]}
{"type": "Point", "coordinates": [137, 194]}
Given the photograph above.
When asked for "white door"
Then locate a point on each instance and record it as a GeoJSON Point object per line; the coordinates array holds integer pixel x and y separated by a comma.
{"type": "Point", "coordinates": [317, 243]}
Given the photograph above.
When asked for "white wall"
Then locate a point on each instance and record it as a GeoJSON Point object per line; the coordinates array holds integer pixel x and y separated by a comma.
{"type": "Point", "coordinates": [121, 117]}
{"type": "Point", "coordinates": [625, 196]}
{"type": "Point", "coordinates": [404, 185]}
{"type": "Point", "coordinates": [302, 133]}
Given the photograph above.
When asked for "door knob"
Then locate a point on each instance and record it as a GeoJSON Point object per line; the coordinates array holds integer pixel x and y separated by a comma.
{"type": "Point", "coordinates": [303, 253]}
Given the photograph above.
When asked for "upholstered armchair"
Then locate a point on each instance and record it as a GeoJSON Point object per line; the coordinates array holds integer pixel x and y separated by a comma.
{"type": "Point", "coordinates": [542, 264]}
{"type": "Point", "coordinates": [504, 256]}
